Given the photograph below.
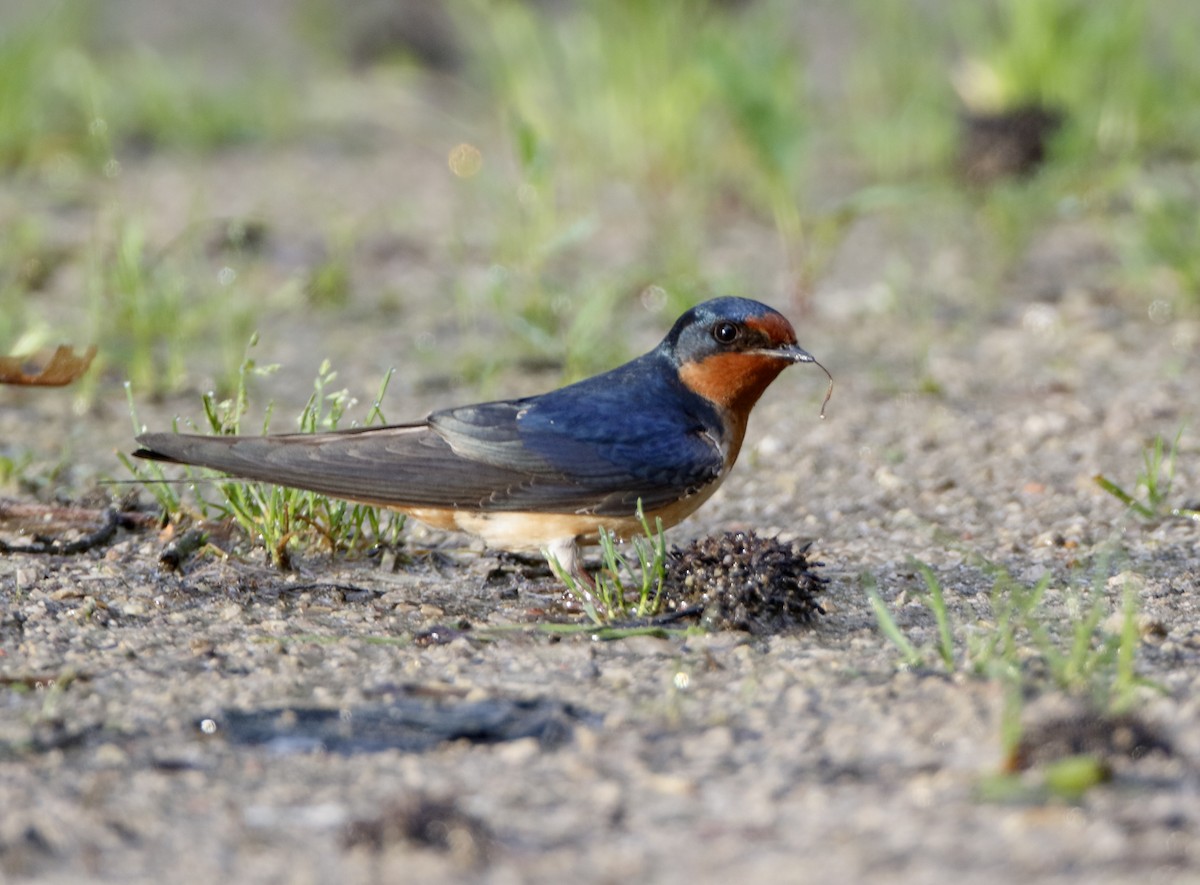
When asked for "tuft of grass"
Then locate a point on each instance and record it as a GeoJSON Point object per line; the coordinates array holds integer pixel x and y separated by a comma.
{"type": "Point", "coordinates": [156, 103]}
{"type": "Point", "coordinates": [899, 116]}
{"type": "Point", "coordinates": [281, 519]}
{"type": "Point", "coordinates": [146, 310]}
{"type": "Point", "coordinates": [1090, 60]}
{"type": "Point", "coordinates": [48, 93]}
{"type": "Point", "coordinates": [1152, 490]}
{"type": "Point", "coordinates": [1020, 640]}
{"type": "Point", "coordinates": [13, 466]}
{"type": "Point", "coordinates": [627, 587]}
{"type": "Point", "coordinates": [1022, 645]}
{"type": "Point", "coordinates": [147, 306]}
{"type": "Point", "coordinates": [151, 473]}
{"type": "Point", "coordinates": [68, 109]}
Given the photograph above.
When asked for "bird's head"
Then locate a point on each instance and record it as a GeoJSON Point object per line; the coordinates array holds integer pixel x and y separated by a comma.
{"type": "Point", "coordinates": [729, 350]}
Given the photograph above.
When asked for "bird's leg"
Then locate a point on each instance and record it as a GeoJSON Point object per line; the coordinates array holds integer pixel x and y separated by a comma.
{"type": "Point", "coordinates": [565, 552]}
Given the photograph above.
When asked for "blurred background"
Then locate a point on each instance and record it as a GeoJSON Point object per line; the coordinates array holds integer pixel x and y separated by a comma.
{"type": "Point", "coordinates": [482, 191]}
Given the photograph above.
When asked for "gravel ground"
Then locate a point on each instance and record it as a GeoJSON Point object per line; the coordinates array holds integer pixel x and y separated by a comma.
{"type": "Point", "coordinates": [807, 756]}
{"type": "Point", "coordinates": [158, 724]}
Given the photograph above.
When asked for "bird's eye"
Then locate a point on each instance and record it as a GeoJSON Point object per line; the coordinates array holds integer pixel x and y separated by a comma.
{"type": "Point", "coordinates": [726, 333]}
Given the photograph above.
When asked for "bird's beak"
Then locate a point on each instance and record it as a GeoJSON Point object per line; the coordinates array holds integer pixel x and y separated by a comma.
{"type": "Point", "coordinates": [793, 353]}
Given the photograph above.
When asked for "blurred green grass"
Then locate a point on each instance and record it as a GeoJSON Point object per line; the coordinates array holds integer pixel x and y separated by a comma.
{"type": "Point", "coordinates": [682, 124]}
{"type": "Point", "coordinates": [69, 108]}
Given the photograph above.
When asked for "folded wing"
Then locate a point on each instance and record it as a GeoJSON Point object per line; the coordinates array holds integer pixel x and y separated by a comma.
{"type": "Point", "coordinates": [476, 458]}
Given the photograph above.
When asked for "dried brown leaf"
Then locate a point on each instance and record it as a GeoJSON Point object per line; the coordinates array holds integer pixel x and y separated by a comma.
{"type": "Point", "coordinates": [63, 367]}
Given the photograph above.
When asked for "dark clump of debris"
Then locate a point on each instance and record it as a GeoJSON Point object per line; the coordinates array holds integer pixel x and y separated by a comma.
{"type": "Point", "coordinates": [1006, 144]}
{"type": "Point", "coordinates": [1105, 736]}
{"type": "Point", "coordinates": [740, 581]}
{"type": "Point", "coordinates": [425, 822]}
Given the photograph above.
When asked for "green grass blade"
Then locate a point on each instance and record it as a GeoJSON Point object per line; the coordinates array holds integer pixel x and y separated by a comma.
{"type": "Point", "coordinates": [888, 626]}
{"type": "Point", "coordinates": [938, 605]}
{"type": "Point", "coordinates": [1123, 496]}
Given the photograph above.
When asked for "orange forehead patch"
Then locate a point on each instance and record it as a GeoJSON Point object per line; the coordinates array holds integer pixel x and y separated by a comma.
{"type": "Point", "coordinates": [777, 329]}
{"type": "Point", "coordinates": [733, 381]}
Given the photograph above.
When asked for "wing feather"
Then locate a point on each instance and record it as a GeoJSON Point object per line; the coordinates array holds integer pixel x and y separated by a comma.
{"type": "Point", "coordinates": [594, 447]}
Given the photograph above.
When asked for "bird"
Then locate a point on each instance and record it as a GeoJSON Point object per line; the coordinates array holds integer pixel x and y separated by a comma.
{"type": "Point", "coordinates": [654, 437]}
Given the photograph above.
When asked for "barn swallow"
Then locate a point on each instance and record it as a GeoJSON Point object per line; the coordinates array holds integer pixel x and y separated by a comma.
{"type": "Point", "coordinates": [546, 473]}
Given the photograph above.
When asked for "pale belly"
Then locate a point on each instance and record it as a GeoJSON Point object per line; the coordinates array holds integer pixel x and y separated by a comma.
{"type": "Point", "coordinates": [534, 532]}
